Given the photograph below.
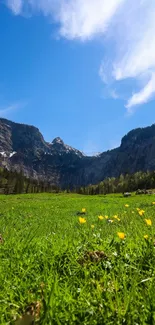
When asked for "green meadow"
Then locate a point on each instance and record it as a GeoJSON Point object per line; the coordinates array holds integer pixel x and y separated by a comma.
{"type": "Point", "coordinates": [58, 266]}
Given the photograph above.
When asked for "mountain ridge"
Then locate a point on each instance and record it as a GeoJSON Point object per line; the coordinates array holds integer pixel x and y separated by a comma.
{"type": "Point", "coordinates": [23, 147]}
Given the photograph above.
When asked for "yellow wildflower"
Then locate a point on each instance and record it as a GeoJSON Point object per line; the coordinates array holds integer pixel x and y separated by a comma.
{"type": "Point", "coordinates": [100, 217]}
{"type": "Point", "coordinates": [92, 226]}
{"type": "Point", "coordinates": [146, 236]}
{"type": "Point", "coordinates": [121, 235]}
{"type": "Point", "coordinates": [148, 222]}
{"type": "Point", "coordinates": [84, 210]}
{"type": "Point", "coordinates": [106, 217]}
{"type": "Point", "coordinates": [126, 205]}
{"type": "Point", "coordinates": [116, 217]}
{"type": "Point", "coordinates": [141, 212]}
{"type": "Point", "coordinates": [153, 203]}
{"type": "Point", "coordinates": [82, 220]}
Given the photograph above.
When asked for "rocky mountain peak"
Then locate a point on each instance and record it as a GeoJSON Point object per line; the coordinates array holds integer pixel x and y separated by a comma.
{"type": "Point", "coordinates": [58, 140]}
{"type": "Point", "coordinates": [138, 136]}
{"type": "Point", "coordinates": [22, 147]}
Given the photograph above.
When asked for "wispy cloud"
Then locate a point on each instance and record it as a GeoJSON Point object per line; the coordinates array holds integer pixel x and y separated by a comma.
{"type": "Point", "coordinates": [81, 19]}
{"type": "Point", "coordinates": [128, 29]}
{"type": "Point", "coordinates": [15, 6]}
{"type": "Point", "coordinates": [114, 94]}
{"type": "Point", "coordinates": [5, 111]}
{"type": "Point", "coordinates": [143, 96]}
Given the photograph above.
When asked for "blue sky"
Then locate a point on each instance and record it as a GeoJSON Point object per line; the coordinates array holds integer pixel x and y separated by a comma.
{"type": "Point", "coordinates": [80, 71]}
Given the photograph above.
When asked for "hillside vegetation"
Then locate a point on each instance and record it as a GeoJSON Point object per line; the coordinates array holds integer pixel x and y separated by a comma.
{"type": "Point", "coordinates": [12, 182]}
{"type": "Point", "coordinates": [73, 259]}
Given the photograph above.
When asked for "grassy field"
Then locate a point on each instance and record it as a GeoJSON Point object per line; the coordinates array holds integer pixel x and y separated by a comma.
{"type": "Point", "coordinates": [55, 270]}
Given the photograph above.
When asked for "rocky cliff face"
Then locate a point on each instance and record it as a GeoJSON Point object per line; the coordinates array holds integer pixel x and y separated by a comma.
{"type": "Point", "coordinates": [22, 147]}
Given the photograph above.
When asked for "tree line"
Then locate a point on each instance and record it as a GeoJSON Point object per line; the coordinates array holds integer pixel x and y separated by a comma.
{"type": "Point", "coordinates": [122, 184]}
{"type": "Point", "coordinates": [12, 182]}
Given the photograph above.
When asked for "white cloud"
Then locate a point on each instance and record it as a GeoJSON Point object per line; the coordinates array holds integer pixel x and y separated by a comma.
{"type": "Point", "coordinates": [143, 96]}
{"type": "Point", "coordinates": [15, 6]}
{"type": "Point", "coordinates": [81, 19]}
{"type": "Point", "coordinates": [85, 19]}
{"type": "Point", "coordinates": [5, 111]}
{"type": "Point", "coordinates": [128, 28]}
{"type": "Point", "coordinates": [137, 54]}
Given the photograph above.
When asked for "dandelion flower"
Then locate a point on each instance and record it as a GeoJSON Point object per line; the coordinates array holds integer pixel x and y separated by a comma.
{"type": "Point", "coordinates": [126, 205]}
{"type": "Point", "coordinates": [82, 220]}
{"type": "Point", "coordinates": [148, 222]}
{"type": "Point", "coordinates": [106, 217]}
{"type": "Point", "coordinates": [141, 212]}
{"type": "Point", "coordinates": [116, 217]}
{"type": "Point", "coordinates": [146, 236]}
{"type": "Point", "coordinates": [153, 203]}
{"type": "Point", "coordinates": [84, 210]}
{"type": "Point", "coordinates": [121, 235]}
{"type": "Point", "coordinates": [100, 217]}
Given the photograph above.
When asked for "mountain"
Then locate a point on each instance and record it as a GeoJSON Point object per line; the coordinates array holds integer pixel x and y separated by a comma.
{"type": "Point", "coordinates": [22, 147]}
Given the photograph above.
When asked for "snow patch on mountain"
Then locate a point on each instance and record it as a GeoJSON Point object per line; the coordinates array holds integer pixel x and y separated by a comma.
{"type": "Point", "coordinates": [7, 155]}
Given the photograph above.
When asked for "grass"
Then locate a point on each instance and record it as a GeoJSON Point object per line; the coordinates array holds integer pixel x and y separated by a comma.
{"type": "Point", "coordinates": [64, 272]}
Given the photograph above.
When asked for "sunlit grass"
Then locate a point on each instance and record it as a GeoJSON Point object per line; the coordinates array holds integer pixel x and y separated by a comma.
{"type": "Point", "coordinates": [63, 268]}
